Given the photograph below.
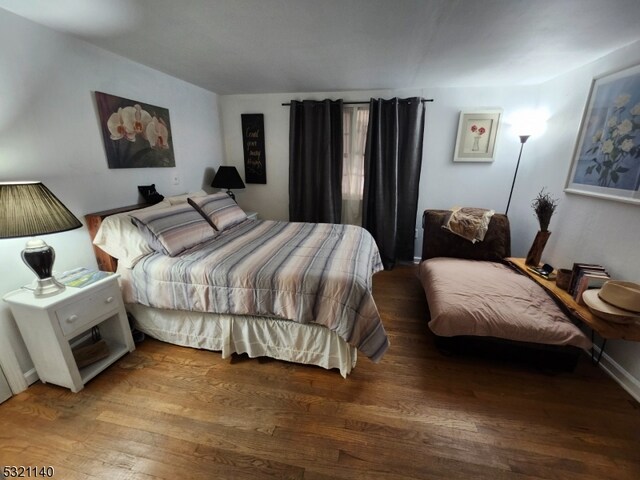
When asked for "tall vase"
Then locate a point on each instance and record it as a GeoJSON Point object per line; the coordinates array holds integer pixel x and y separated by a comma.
{"type": "Point", "coordinates": [535, 252]}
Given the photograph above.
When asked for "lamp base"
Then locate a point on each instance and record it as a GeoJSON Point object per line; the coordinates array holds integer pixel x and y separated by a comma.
{"type": "Point", "coordinates": [39, 257]}
{"type": "Point", "coordinates": [48, 287]}
{"type": "Point", "coordinates": [230, 193]}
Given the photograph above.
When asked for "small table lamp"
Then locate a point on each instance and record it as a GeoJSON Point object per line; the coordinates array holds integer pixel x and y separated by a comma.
{"type": "Point", "coordinates": [28, 209]}
{"type": "Point", "coordinates": [228, 177]}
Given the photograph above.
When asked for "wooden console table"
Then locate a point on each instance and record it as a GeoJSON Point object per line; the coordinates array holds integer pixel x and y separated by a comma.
{"type": "Point", "coordinates": [606, 330]}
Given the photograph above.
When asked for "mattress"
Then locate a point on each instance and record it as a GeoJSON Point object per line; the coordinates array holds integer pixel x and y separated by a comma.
{"type": "Point", "coordinates": [291, 291]}
{"type": "Point", "coordinates": [482, 298]}
{"type": "Point", "coordinates": [307, 273]}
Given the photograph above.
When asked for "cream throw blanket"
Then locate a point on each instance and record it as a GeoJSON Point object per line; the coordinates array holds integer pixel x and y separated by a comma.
{"type": "Point", "coordinates": [469, 223]}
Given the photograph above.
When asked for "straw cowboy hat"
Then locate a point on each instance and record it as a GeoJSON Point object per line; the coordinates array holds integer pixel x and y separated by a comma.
{"type": "Point", "coordinates": [616, 301]}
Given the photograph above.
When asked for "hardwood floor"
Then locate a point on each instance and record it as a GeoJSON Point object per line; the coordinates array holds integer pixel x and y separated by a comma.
{"type": "Point", "coordinates": [167, 412]}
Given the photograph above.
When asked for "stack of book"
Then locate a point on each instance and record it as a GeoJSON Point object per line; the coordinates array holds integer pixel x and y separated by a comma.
{"type": "Point", "coordinates": [81, 277]}
{"type": "Point", "coordinates": [585, 276]}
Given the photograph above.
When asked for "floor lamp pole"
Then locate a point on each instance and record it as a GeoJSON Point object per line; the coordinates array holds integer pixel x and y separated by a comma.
{"type": "Point", "coordinates": [523, 139]}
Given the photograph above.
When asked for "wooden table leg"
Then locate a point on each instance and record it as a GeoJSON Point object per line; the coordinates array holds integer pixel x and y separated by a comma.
{"type": "Point", "coordinates": [593, 352]}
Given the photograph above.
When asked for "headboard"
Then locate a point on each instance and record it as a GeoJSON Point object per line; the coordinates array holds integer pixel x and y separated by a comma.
{"type": "Point", "coordinates": [105, 261]}
{"type": "Point", "coordinates": [438, 242]}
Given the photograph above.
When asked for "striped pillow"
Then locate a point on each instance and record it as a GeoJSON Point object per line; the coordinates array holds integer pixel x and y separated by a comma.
{"type": "Point", "coordinates": [174, 229]}
{"type": "Point", "coordinates": [220, 210]}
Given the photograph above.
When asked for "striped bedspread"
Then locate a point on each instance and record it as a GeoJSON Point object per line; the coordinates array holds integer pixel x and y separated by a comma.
{"type": "Point", "coordinates": [304, 272]}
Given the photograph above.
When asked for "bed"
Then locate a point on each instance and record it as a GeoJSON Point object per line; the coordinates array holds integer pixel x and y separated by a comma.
{"type": "Point", "coordinates": [297, 292]}
{"type": "Point", "coordinates": [477, 302]}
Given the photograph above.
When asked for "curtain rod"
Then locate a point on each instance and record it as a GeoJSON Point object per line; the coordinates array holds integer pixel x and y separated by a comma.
{"type": "Point", "coordinates": [364, 103]}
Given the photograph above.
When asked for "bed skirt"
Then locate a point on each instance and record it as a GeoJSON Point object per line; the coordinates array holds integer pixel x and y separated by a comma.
{"type": "Point", "coordinates": [256, 336]}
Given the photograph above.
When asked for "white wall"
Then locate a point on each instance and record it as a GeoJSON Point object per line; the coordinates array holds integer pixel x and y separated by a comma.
{"type": "Point", "coordinates": [49, 131]}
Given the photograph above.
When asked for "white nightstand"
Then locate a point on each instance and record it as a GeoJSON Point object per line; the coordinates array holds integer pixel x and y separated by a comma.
{"type": "Point", "coordinates": [51, 326]}
{"type": "Point", "coordinates": [252, 215]}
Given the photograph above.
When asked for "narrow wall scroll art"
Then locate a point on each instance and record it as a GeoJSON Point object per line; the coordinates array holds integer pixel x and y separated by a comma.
{"type": "Point", "coordinates": [255, 166]}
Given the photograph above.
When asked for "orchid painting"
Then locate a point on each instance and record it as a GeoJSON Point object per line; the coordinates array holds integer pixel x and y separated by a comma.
{"type": "Point", "coordinates": [607, 159]}
{"type": "Point", "coordinates": [135, 134]}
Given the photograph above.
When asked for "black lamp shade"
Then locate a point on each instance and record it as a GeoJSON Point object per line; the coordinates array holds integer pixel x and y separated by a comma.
{"type": "Point", "coordinates": [227, 177]}
{"type": "Point", "coordinates": [29, 209]}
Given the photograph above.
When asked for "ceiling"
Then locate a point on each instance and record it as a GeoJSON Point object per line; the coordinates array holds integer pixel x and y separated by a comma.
{"type": "Point", "coordinates": [269, 46]}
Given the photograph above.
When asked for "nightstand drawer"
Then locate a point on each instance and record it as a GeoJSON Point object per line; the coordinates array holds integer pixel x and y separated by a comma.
{"type": "Point", "coordinates": [77, 314]}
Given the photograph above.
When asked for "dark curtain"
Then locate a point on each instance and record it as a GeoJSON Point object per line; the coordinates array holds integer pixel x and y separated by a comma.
{"type": "Point", "coordinates": [392, 164]}
{"type": "Point", "coordinates": [315, 161]}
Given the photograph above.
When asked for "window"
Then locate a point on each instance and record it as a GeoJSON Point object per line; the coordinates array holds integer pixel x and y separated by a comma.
{"type": "Point", "coordinates": [355, 120]}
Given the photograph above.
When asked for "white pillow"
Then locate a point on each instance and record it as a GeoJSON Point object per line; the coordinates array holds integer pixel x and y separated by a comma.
{"type": "Point", "coordinates": [177, 199]}
{"type": "Point", "coordinates": [121, 239]}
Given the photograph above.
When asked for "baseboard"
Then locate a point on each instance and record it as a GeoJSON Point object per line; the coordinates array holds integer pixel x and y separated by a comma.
{"type": "Point", "coordinates": [31, 376]}
{"type": "Point", "coordinates": [620, 375]}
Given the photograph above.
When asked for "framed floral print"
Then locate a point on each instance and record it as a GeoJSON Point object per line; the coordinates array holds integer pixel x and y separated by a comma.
{"type": "Point", "coordinates": [477, 133]}
{"type": "Point", "coordinates": [135, 134]}
{"type": "Point", "coordinates": [606, 160]}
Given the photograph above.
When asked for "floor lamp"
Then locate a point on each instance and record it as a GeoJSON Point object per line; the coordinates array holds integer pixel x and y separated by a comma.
{"type": "Point", "coordinates": [523, 139]}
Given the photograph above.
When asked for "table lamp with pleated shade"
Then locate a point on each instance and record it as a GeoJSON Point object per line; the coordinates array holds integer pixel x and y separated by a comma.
{"type": "Point", "coordinates": [28, 209]}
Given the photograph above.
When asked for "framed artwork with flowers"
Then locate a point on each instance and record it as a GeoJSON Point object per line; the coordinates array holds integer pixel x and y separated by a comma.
{"type": "Point", "coordinates": [477, 133]}
{"type": "Point", "coordinates": [135, 134]}
{"type": "Point", "coordinates": [606, 160]}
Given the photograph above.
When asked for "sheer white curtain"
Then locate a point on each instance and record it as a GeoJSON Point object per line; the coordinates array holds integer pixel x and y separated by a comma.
{"type": "Point", "coordinates": [355, 119]}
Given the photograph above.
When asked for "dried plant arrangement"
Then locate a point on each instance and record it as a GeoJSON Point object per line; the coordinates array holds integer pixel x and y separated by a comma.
{"type": "Point", "coordinates": [543, 206]}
